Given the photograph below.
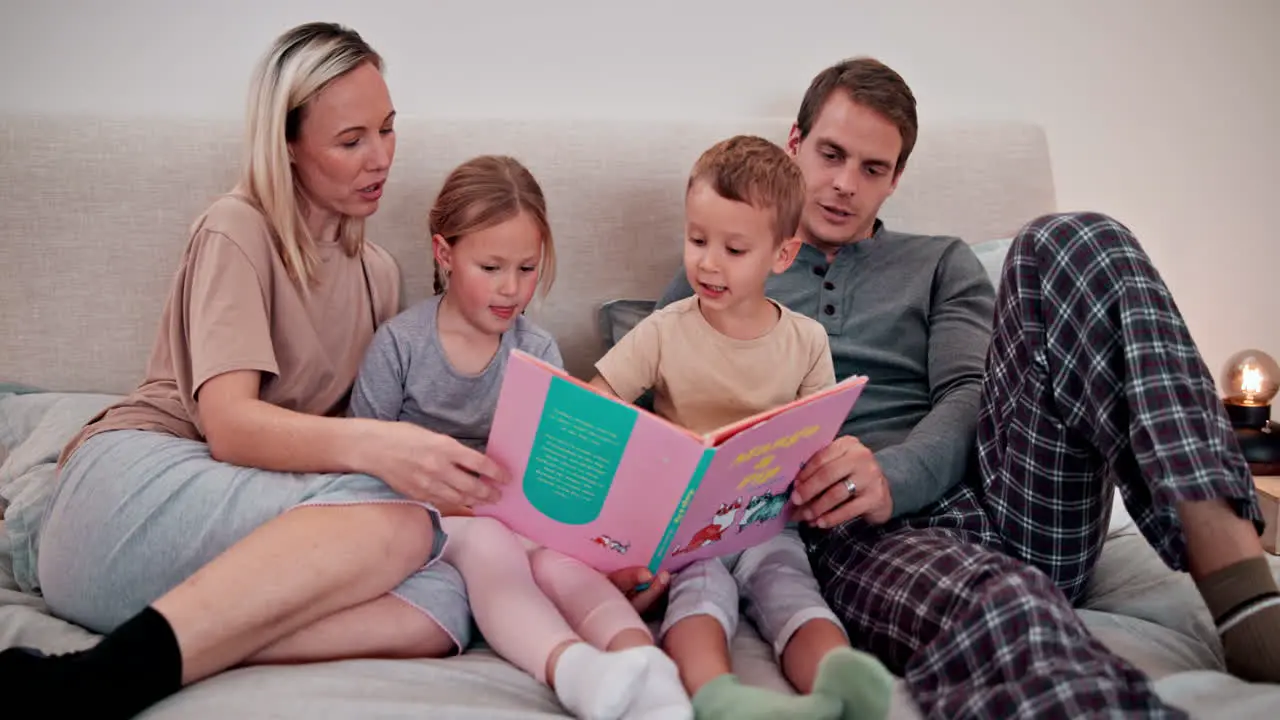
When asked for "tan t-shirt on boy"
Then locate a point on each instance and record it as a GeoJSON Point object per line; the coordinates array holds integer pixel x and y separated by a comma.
{"type": "Point", "coordinates": [703, 379]}
{"type": "Point", "coordinates": [232, 306]}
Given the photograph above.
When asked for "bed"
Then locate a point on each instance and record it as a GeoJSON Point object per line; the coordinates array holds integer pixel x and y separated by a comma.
{"type": "Point", "coordinates": [93, 216]}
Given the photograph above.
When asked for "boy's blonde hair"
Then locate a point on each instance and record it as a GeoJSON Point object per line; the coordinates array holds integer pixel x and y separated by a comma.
{"type": "Point", "coordinates": [486, 191]}
{"type": "Point", "coordinates": [294, 70]}
{"type": "Point", "coordinates": [750, 169]}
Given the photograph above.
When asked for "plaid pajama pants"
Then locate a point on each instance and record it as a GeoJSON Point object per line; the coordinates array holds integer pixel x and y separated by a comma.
{"type": "Point", "coordinates": [1092, 381]}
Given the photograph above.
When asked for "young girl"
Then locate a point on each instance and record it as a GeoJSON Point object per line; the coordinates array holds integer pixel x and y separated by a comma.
{"type": "Point", "coordinates": [440, 365]}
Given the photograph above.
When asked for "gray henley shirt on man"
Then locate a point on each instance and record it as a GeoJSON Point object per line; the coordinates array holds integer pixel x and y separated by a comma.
{"type": "Point", "coordinates": [913, 313]}
{"type": "Point", "coordinates": [406, 376]}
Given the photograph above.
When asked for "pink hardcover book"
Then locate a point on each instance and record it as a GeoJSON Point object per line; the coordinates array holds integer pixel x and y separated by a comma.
{"type": "Point", "coordinates": [616, 486]}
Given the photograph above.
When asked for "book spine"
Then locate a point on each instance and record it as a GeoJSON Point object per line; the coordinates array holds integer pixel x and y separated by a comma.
{"type": "Point", "coordinates": [682, 507]}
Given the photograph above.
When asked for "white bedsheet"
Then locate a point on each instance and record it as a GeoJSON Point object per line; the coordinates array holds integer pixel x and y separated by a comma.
{"type": "Point", "coordinates": [1137, 607]}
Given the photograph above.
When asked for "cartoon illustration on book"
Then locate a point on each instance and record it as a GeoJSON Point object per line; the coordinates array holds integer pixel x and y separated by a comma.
{"type": "Point", "coordinates": [609, 543]}
{"type": "Point", "coordinates": [764, 507]}
{"type": "Point", "coordinates": [712, 533]}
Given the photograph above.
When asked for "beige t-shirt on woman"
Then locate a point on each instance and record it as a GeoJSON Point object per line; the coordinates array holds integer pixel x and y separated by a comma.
{"type": "Point", "coordinates": [232, 306]}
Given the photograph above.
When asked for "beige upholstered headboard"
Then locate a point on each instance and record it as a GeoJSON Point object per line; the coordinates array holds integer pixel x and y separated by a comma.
{"type": "Point", "coordinates": [94, 215]}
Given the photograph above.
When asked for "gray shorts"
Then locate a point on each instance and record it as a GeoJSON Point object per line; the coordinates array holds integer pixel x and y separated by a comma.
{"type": "Point", "coordinates": [136, 513]}
{"type": "Point", "coordinates": [773, 581]}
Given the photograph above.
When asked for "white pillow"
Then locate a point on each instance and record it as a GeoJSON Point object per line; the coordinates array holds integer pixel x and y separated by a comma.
{"type": "Point", "coordinates": [991, 254]}
{"type": "Point", "coordinates": [35, 426]}
{"type": "Point", "coordinates": [1121, 520]}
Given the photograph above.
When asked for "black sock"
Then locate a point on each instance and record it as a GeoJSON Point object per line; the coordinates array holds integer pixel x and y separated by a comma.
{"type": "Point", "coordinates": [132, 668]}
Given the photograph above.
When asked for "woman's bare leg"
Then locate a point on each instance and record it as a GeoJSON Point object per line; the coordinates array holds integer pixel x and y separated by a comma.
{"type": "Point", "coordinates": [293, 571]}
{"type": "Point", "coordinates": [290, 573]}
{"type": "Point", "coordinates": [386, 627]}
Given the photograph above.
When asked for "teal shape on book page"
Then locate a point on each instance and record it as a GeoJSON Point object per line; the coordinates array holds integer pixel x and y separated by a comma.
{"type": "Point", "coordinates": [580, 441]}
{"type": "Point", "coordinates": [670, 535]}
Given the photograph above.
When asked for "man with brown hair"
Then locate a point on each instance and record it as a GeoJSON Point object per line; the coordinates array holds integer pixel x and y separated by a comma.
{"type": "Point", "coordinates": [961, 575]}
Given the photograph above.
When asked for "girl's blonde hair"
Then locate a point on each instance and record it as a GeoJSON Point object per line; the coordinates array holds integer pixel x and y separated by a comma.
{"type": "Point", "coordinates": [294, 70]}
{"type": "Point", "coordinates": [486, 191]}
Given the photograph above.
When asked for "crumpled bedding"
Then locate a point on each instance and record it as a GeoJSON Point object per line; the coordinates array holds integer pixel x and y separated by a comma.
{"type": "Point", "coordinates": [1137, 607]}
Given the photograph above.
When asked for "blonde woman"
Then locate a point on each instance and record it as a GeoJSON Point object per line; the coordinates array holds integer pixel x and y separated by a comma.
{"type": "Point", "coordinates": [225, 512]}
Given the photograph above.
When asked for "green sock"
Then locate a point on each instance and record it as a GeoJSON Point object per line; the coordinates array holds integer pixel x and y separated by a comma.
{"type": "Point", "coordinates": [858, 680]}
{"type": "Point", "coordinates": [727, 698]}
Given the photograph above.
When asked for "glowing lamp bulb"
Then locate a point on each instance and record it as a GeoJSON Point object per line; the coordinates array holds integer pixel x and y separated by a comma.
{"type": "Point", "coordinates": [1250, 379]}
{"type": "Point", "coordinates": [1248, 385]}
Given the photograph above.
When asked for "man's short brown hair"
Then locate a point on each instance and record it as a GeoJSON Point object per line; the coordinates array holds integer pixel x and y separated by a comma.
{"type": "Point", "coordinates": [750, 169]}
{"type": "Point", "coordinates": [872, 84]}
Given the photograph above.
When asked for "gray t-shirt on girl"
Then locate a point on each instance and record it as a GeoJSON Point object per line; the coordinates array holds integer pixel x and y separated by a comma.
{"type": "Point", "coordinates": [406, 376]}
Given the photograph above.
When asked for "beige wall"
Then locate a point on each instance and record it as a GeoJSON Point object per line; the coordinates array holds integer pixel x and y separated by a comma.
{"type": "Point", "coordinates": [1160, 112]}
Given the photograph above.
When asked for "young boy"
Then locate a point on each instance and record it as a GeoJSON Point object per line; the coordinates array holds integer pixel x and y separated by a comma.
{"type": "Point", "coordinates": [727, 353]}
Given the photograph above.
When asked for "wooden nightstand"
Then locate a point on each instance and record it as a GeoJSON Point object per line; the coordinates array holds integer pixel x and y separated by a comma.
{"type": "Point", "coordinates": [1268, 487]}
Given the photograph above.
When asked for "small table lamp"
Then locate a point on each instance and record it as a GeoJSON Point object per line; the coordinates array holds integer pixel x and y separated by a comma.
{"type": "Point", "coordinates": [1249, 382]}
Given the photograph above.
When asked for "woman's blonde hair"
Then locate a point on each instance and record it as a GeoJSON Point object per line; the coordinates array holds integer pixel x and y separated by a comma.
{"type": "Point", "coordinates": [298, 66]}
{"type": "Point", "coordinates": [486, 191]}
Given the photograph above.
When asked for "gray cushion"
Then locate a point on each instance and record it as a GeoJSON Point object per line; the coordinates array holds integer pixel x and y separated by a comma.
{"type": "Point", "coordinates": [617, 317]}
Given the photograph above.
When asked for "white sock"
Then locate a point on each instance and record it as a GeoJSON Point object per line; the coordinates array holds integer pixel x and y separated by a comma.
{"type": "Point", "coordinates": [596, 685]}
{"type": "Point", "coordinates": [662, 696]}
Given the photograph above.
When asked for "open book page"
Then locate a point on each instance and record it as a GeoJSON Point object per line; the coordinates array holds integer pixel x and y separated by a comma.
{"type": "Point", "coordinates": [593, 477]}
{"type": "Point", "coordinates": [743, 497]}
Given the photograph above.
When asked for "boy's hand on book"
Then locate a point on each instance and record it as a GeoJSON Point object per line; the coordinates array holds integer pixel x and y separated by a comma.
{"type": "Point", "coordinates": [435, 468]}
{"type": "Point", "coordinates": [630, 580]}
{"type": "Point", "coordinates": [822, 493]}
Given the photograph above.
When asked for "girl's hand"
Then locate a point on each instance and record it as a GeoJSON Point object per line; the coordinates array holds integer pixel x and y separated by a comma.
{"type": "Point", "coordinates": [430, 467]}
